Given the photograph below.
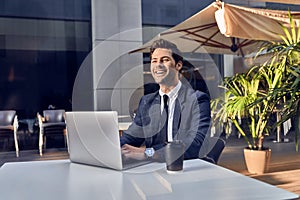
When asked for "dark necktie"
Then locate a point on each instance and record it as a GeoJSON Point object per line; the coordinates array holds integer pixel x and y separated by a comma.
{"type": "Point", "coordinates": [165, 117]}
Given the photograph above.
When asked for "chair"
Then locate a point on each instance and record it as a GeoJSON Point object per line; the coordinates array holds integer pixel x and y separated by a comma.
{"type": "Point", "coordinates": [51, 123]}
{"type": "Point", "coordinates": [9, 126]}
{"type": "Point", "coordinates": [212, 148]}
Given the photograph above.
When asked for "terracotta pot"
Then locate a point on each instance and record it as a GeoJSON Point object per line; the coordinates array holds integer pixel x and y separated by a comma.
{"type": "Point", "coordinates": [257, 161]}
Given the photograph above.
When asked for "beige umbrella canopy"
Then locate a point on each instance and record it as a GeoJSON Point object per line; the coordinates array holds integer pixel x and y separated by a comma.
{"type": "Point", "coordinates": [226, 29]}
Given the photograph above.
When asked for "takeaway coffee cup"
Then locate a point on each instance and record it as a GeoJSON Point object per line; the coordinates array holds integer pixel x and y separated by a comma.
{"type": "Point", "coordinates": [174, 155]}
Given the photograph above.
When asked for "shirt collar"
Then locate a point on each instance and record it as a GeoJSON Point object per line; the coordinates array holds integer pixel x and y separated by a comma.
{"type": "Point", "coordinates": [173, 92]}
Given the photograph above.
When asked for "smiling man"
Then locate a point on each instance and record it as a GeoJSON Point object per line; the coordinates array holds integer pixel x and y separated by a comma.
{"type": "Point", "coordinates": [175, 112]}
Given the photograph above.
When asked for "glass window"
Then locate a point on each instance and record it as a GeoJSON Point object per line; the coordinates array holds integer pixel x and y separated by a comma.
{"type": "Point", "coordinates": [42, 44]}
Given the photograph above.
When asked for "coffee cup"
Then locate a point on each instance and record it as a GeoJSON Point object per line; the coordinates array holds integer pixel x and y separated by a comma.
{"type": "Point", "coordinates": [174, 156]}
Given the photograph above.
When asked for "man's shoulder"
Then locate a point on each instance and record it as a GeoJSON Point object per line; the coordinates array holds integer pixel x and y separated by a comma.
{"type": "Point", "coordinates": [189, 91]}
{"type": "Point", "coordinates": [150, 97]}
{"type": "Point", "coordinates": [201, 94]}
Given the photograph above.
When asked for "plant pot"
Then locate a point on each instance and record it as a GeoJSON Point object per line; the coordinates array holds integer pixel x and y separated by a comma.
{"type": "Point", "coordinates": [257, 161]}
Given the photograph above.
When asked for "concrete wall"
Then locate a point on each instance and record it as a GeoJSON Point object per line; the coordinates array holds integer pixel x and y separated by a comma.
{"type": "Point", "coordinates": [116, 29]}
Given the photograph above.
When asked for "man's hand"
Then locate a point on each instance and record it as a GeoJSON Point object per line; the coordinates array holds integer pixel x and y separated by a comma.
{"type": "Point", "coordinates": [137, 153]}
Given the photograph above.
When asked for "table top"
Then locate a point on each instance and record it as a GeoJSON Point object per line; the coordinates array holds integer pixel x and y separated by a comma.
{"type": "Point", "coordinates": [124, 125]}
{"type": "Point", "coordinates": [63, 180]}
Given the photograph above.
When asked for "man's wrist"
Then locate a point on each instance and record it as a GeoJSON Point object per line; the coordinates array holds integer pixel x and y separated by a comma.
{"type": "Point", "coordinates": [149, 152]}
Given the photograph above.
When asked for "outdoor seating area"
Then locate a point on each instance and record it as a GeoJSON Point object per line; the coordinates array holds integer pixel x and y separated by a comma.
{"type": "Point", "coordinates": [29, 134]}
{"type": "Point", "coordinates": [51, 123]}
{"type": "Point", "coordinates": [9, 127]}
{"type": "Point", "coordinates": [169, 99]}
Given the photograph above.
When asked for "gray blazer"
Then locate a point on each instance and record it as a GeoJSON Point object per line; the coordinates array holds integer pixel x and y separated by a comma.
{"type": "Point", "coordinates": [190, 123]}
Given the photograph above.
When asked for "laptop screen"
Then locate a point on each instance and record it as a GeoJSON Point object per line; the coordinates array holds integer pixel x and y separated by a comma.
{"type": "Point", "coordinates": [93, 138]}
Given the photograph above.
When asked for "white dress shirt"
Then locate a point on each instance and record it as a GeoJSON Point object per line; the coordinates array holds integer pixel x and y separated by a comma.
{"type": "Point", "coordinates": [172, 97]}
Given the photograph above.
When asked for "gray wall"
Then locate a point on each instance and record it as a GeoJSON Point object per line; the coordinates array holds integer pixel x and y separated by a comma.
{"type": "Point", "coordinates": [116, 28]}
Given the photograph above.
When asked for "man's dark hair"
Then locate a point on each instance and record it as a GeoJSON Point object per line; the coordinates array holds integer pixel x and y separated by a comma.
{"type": "Point", "coordinates": [176, 54]}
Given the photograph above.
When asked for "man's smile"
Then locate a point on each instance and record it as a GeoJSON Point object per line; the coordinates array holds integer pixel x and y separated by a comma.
{"type": "Point", "coordinates": [159, 72]}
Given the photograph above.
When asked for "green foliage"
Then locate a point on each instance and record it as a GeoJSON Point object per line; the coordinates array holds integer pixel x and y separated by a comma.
{"type": "Point", "coordinates": [287, 54]}
{"type": "Point", "coordinates": [255, 95]}
{"type": "Point", "coordinates": [251, 97]}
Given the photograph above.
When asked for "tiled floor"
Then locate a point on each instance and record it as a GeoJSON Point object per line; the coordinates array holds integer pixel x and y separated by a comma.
{"type": "Point", "coordinates": [284, 170]}
{"type": "Point", "coordinates": [33, 155]}
{"type": "Point", "coordinates": [284, 155]}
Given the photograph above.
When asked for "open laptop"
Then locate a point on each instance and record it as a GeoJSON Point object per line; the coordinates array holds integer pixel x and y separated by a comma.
{"type": "Point", "coordinates": [93, 139]}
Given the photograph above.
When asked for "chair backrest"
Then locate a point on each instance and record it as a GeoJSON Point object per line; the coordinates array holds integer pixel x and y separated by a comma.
{"type": "Point", "coordinates": [216, 151]}
{"type": "Point", "coordinates": [7, 117]}
{"type": "Point", "coordinates": [54, 115]}
{"type": "Point", "coordinates": [213, 147]}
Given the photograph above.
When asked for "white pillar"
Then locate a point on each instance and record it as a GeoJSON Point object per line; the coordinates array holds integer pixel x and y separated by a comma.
{"type": "Point", "coordinates": [116, 29]}
{"type": "Point", "coordinates": [228, 65]}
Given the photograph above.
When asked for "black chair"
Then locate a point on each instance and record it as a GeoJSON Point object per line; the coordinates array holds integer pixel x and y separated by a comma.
{"type": "Point", "coordinates": [51, 123]}
{"type": "Point", "coordinates": [9, 126]}
{"type": "Point", "coordinates": [211, 149]}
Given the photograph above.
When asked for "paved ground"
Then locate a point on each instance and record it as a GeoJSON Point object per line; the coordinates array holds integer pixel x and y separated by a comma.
{"type": "Point", "coordinates": [284, 155]}
{"type": "Point", "coordinates": [284, 170]}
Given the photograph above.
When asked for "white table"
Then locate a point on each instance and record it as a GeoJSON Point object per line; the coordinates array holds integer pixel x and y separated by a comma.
{"type": "Point", "coordinates": [124, 125]}
{"type": "Point", "coordinates": [62, 180]}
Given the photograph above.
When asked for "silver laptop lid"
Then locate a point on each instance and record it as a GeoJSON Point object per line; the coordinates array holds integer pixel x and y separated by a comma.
{"type": "Point", "coordinates": [93, 138]}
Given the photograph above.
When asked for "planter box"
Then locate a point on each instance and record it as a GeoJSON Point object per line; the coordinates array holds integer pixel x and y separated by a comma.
{"type": "Point", "coordinates": [257, 161]}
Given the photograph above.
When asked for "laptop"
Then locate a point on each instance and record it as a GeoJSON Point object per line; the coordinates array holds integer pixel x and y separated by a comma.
{"type": "Point", "coordinates": [94, 139]}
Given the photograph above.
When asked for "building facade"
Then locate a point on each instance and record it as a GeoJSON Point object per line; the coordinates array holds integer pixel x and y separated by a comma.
{"type": "Point", "coordinates": [73, 54]}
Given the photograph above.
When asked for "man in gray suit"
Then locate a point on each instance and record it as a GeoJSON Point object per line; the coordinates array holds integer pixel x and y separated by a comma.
{"type": "Point", "coordinates": [175, 112]}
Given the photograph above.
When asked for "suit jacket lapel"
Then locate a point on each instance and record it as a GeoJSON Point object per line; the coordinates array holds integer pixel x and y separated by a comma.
{"type": "Point", "coordinates": [155, 110]}
{"type": "Point", "coordinates": [176, 118]}
{"type": "Point", "coordinates": [179, 106]}
{"type": "Point", "coordinates": [155, 115]}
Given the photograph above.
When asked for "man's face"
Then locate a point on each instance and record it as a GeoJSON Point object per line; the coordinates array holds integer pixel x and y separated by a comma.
{"type": "Point", "coordinates": [163, 67]}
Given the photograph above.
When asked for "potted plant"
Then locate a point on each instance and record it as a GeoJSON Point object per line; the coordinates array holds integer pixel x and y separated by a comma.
{"type": "Point", "coordinates": [246, 106]}
{"type": "Point", "coordinates": [291, 110]}
{"type": "Point", "coordinates": [252, 98]}
{"type": "Point", "coordinates": [287, 54]}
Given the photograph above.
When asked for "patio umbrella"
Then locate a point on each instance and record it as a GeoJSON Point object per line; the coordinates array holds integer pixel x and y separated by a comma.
{"type": "Point", "coordinates": [226, 29]}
